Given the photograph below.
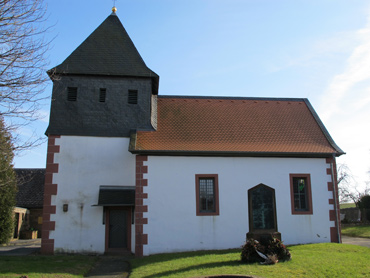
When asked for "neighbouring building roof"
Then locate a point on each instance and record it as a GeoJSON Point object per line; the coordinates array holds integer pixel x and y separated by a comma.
{"type": "Point", "coordinates": [236, 127]}
{"type": "Point", "coordinates": [30, 184]}
{"type": "Point", "coordinates": [108, 51]}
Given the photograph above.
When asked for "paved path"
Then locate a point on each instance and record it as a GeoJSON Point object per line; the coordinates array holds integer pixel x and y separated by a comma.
{"type": "Point", "coordinates": [21, 247]}
{"type": "Point", "coordinates": [356, 241]}
{"type": "Point", "coordinates": [111, 267]}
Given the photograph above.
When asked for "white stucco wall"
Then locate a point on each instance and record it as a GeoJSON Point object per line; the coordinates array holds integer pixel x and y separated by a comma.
{"type": "Point", "coordinates": [172, 221]}
{"type": "Point", "coordinates": [85, 163]}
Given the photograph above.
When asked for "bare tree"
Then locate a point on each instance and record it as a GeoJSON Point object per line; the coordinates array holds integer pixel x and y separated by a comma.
{"type": "Point", "coordinates": [348, 191]}
{"type": "Point", "coordinates": [22, 63]}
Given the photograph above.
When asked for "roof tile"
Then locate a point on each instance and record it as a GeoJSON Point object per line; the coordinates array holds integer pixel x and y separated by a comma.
{"type": "Point", "coordinates": [236, 125]}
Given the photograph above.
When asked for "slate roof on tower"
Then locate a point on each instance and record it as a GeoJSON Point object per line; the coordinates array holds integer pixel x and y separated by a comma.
{"type": "Point", "coordinates": [236, 127]}
{"type": "Point", "coordinates": [108, 51]}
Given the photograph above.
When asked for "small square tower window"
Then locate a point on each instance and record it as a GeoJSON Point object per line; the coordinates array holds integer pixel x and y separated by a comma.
{"type": "Point", "coordinates": [72, 94]}
{"type": "Point", "coordinates": [132, 96]}
{"type": "Point", "coordinates": [102, 94]}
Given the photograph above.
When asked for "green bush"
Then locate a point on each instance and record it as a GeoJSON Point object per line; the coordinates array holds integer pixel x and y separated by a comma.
{"type": "Point", "coordinates": [364, 205]}
{"type": "Point", "coordinates": [364, 202]}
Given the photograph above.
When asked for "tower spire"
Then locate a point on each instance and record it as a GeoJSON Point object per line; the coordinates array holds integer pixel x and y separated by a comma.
{"type": "Point", "coordinates": [114, 9]}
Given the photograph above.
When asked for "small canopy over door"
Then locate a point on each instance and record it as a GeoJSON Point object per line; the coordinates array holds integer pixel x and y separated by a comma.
{"type": "Point", "coordinates": [116, 196]}
{"type": "Point", "coordinates": [118, 203]}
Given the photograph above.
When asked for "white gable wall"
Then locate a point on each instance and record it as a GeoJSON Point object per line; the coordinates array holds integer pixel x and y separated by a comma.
{"type": "Point", "coordinates": [172, 221]}
{"type": "Point", "coordinates": [85, 163]}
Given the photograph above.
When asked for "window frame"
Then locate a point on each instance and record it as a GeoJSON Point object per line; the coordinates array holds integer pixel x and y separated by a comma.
{"type": "Point", "coordinates": [308, 194]}
{"type": "Point", "coordinates": [216, 194]}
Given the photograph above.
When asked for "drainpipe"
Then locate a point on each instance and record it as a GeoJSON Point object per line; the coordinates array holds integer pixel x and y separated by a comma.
{"type": "Point", "coordinates": [335, 198]}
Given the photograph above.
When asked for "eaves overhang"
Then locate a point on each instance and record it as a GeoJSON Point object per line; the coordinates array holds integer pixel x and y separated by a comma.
{"type": "Point", "coordinates": [54, 75]}
{"type": "Point", "coordinates": [232, 153]}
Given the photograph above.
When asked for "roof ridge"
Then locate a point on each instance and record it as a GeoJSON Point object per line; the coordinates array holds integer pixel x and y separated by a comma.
{"type": "Point", "coordinates": [234, 98]}
{"type": "Point", "coordinates": [29, 168]}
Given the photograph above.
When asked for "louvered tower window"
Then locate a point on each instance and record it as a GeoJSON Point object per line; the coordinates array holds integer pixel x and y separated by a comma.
{"type": "Point", "coordinates": [72, 94]}
{"type": "Point", "coordinates": [102, 94]}
{"type": "Point", "coordinates": [132, 96]}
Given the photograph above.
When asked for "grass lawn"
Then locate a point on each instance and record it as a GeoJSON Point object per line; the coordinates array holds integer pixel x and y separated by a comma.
{"type": "Point", "coordinates": [313, 260]}
{"type": "Point", "coordinates": [356, 231]}
{"type": "Point", "coordinates": [347, 205]}
{"type": "Point", "coordinates": [46, 266]}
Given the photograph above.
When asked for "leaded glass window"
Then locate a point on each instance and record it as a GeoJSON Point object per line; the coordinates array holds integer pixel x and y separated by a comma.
{"type": "Point", "coordinates": [206, 186]}
{"type": "Point", "coordinates": [207, 194]}
{"type": "Point", "coordinates": [300, 194]}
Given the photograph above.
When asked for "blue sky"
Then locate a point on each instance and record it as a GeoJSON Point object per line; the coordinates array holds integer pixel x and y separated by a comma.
{"type": "Point", "coordinates": [317, 49]}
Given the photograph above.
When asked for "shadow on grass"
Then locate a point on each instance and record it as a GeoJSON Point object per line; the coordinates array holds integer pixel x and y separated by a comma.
{"type": "Point", "coordinates": [194, 267]}
{"type": "Point", "coordinates": [20, 251]}
{"type": "Point", "coordinates": [167, 257]}
{"type": "Point", "coordinates": [45, 266]}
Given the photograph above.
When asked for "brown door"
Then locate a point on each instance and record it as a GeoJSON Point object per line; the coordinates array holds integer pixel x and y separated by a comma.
{"type": "Point", "coordinates": [118, 229]}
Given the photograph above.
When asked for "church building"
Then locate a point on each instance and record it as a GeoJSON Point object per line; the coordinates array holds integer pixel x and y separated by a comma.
{"type": "Point", "coordinates": [132, 171]}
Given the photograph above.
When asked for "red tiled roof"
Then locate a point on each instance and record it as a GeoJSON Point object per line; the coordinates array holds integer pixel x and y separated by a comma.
{"type": "Point", "coordinates": [236, 125]}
